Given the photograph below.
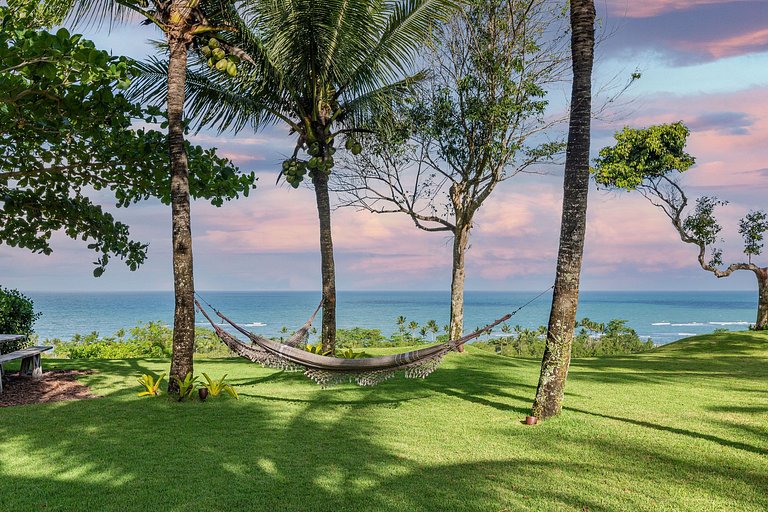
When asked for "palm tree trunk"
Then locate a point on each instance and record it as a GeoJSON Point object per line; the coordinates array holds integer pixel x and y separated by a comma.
{"type": "Point", "coordinates": [183, 280]}
{"type": "Point", "coordinates": [762, 300]}
{"type": "Point", "coordinates": [460, 240]}
{"type": "Point", "coordinates": [562, 319]}
{"type": "Point", "coordinates": [328, 333]}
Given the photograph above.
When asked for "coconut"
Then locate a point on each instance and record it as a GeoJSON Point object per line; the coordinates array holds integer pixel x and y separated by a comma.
{"type": "Point", "coordinates": [221, 65]}
{"type": "Point", "coordinates": [231, 69]}
{"type": "Point", "coordinates": [213, 42]}
{"type": "Point", "coordinates": [218, 54]}
{"type": "Point", "coordinates": [206, 51]}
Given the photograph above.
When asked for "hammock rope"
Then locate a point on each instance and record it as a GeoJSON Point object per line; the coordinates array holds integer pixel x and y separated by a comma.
{"type": "Point", "coordinates": [326, 370]}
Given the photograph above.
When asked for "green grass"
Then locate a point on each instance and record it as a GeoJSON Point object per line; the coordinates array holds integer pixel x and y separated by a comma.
{"type": "Point", "coordinates": [684, 427]}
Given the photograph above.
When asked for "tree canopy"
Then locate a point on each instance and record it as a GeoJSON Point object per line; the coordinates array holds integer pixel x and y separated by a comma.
{"type": "Point", "coordinates": [648, 160]}
{"type": "Point", "coordinates": [66, 131]}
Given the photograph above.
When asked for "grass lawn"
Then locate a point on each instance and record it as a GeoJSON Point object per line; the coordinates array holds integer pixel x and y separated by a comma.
{"type": "Point", "coordinates": [684, 427]}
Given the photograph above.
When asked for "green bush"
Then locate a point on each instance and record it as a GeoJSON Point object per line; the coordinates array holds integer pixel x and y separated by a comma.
{"type": "Point", "coordinates": [17, 315]}
{"type": "Point", "coordinates": [153, 339]}
{"type": "Point", "coordinates": [358, 337]}
{"type": "Point", "coordinates": [593, 339]}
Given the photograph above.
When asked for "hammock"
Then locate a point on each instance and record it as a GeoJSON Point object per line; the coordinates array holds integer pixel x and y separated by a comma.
{"type": "Point", "coordinates": [331, 370]}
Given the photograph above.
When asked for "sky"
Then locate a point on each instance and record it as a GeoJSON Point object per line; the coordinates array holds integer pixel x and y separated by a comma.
{"type": "Point", "coordinates": [704, 62]}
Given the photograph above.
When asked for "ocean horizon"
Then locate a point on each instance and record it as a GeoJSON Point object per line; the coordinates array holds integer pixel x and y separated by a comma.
{"type": "Point", "coordinates": [662, 316]}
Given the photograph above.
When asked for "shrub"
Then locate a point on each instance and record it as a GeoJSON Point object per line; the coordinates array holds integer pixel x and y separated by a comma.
{"type": "Point", "coordinates": [17, 315]}
{"type": "Point", "coordinates": [593, 339]}
{"type": "Point", "coordinates": [358, 337]}
{"type": "Point", "coordinates": [153, 339]}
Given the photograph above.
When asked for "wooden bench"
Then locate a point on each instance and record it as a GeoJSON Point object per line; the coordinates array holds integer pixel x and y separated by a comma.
{"type": "Point", "coordinates": [30, 362]}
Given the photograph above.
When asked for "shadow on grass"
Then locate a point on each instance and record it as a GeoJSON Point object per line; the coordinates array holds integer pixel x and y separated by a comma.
{"type": "Point", "coordinates": [675, 430]}
{"type": "Point", "coordinates": [230, 456]}
{"type": "Point", "coordinates": [353, 449]}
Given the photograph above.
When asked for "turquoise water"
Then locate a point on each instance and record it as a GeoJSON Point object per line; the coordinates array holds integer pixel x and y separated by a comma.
{"type": "Point", "coordinates": [661, 316]}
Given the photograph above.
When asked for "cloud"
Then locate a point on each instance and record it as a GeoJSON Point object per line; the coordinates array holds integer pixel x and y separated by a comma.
{"type": "Point", "coordinates": [687, 32]}
{"type": "Point", "coordinates": [651, 8]}
{"type": "Point", "coordinates": [730, 123]}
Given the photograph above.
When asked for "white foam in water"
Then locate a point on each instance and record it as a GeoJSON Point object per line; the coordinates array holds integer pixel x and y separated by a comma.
{"type": "Point", "coordinates": [686, 334]}
{"type": "Point", "coordinates": [256, 324]}
{"type": "Point", "coordinates": [662, 323]}
{"type": "Point", "coordinates": [689, 324]}
{"type": "Point", "coordinates": [729, 323]}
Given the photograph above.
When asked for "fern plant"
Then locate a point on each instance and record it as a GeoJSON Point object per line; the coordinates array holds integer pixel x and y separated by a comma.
{"type": "Point", "coordinates": [186, 386]}
{"type": "Point", "coordinates": [215, 387]}
{"type": "Point", "coordinates": [151, 386]}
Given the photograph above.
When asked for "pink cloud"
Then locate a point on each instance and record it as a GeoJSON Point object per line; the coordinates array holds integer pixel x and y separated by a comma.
{"type": "Point", "coordinates": [650, 8]}
{"type": "Point", "coordinates": [240, 158]}
{"type": "Point", "coordinates": [754, 40]}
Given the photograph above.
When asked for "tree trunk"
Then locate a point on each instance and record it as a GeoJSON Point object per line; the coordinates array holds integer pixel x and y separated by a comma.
{"type": "Point", "coordinates": [762, 299]}
{"type": "Point", "coordinates": [328, 333]}
{"type": "Point", "coordinates": [183, 280]}
{"type": "Point", "coordinates": [565, 299]}
{"type": "Point", "coordinates": [460, 240]}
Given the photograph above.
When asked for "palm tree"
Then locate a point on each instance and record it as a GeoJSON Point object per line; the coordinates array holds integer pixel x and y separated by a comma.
{"type": "Point", "coordinates": [326, 69]}
{"type": "Point", "coordinates": [562, 318]}
{"type": "Point", "coordinates": [401, 324]}
{"type": "Point", "coordinates": [413, 326]}
{"type": "Point", "coordinates": [433, 328]}
{"type": "Point", "coordinates": [181, 21]}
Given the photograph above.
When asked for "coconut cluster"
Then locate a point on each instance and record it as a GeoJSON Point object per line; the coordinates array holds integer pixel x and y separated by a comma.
{"type": "Point", "coordinates": [353, 146]}
{"type": "Point", "coordinates": [218, 58]}
{"type": "Point", "coordinates": [294, 169]}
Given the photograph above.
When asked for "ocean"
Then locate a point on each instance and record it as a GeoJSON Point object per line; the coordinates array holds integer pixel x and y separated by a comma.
{"type": "Point", "coordinates": [661, 316]}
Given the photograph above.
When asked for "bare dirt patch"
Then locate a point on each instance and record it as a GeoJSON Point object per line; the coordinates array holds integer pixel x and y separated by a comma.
{"type": "Point", "coordinates": [53, 386]}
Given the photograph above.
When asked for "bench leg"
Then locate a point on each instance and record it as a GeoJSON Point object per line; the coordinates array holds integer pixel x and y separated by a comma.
{"type": "Point", "coordinates": [1, 377]}
{"type": "Point", "coordinates": [31, 366]}
{"type": "Point", "coordinates": [37, 367]}
{"type": "Point", "coordinates": [25, 369]}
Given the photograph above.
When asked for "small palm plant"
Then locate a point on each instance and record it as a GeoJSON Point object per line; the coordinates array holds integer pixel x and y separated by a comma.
{"type": "Point", "coordinates": [186, 386]}
{"type": "Point", "coordinates": [317, 349]}
{"type": "Point", "coordinates": [215, 387]}
{"type": "Point", "coordinates": [348, 353]}
{"type": "Point", "coordinates": [151, 386]}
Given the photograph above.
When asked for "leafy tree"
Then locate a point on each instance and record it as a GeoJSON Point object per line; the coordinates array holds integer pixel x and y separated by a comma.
{"type": "Point", "coordinates": [17, 316]}
{"type": "Point", "coordinates": [649, 161]}
{"type": "Point", "coordinates": [83, 132]}
{"type": "Point", "coordinates": [326, 70]}
{"type": "Point", "coordinates": [63, 130]}
{"type": "Point", "coordinates": [565, 297]}
{"type": "Point", "coordinates": [475, 122]}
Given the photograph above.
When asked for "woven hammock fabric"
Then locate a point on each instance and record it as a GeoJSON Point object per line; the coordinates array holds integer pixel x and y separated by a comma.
{"type": "Point", "coordinates": [330, 370]}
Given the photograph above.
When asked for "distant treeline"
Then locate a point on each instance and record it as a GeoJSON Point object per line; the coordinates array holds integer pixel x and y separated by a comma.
{"type": "Point", "coordinates": [154, 339]}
